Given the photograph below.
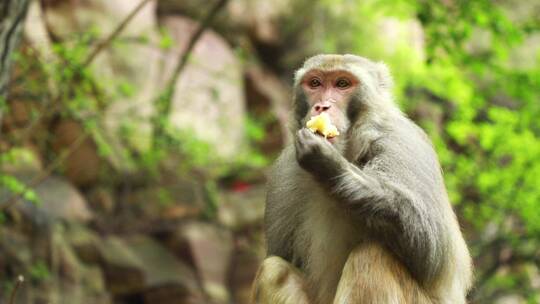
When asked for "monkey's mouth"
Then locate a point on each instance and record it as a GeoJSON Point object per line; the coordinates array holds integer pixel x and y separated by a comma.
{"type": "Point", "coordinates": [331, 139]}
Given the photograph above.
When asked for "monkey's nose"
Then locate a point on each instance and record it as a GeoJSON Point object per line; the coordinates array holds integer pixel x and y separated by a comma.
{"type": "Point", "coordinates": [319, 108]}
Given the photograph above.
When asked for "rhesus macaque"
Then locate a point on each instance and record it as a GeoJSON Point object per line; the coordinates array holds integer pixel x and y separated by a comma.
{"type": "Point", "coordinates": [363, 217]}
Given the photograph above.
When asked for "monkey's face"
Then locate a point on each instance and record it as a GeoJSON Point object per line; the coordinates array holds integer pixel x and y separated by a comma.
{"type": "Point", "coordinates": [329, 92]}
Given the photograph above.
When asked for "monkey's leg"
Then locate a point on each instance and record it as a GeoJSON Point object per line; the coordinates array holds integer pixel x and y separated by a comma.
{"type": "Point", "coordinates": [278, 282]}
{"type": "Point", "coordinates": [372, 275]}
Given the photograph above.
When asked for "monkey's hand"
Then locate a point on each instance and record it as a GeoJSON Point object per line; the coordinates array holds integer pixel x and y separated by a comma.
{"type": "Point", "coordinates": [317, 156]}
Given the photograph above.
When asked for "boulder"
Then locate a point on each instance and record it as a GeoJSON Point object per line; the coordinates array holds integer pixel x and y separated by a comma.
{"type": "Point", "coordinates": [35, 31]}
{"type": "Point", "coordinates": [209, 248]}
{"type": "Point", "coordinates": [83, 164]}
{"type": "Point", "coordinates": [138, 266]}
{"type": "Point", "coordinates": [51, 270]}
{"type": "Point", "coordinates": [246, 260]}
{"type": "Point", "coordinates": [242, 208]}
{"type": "Point", "coordinates": [16, 252]}
{"type": "Point", "coordinates": [208, 99]}
{"type": "Point", "coordinates": [17, 116]}
{"type": "Point", "coordinates": [85, 243]}
{"type": "Point", "coordinates": [101, 199]}
{"type": "Point", "coordinates": [132, 81]}
{"type": "Point", "coordinates": [76, 282]}
{"type": "Point", "coordinates": [208, 93]}
{"type": "Point", "coordinates": [268, 102]}
{"type": "Point", "coordinates": [261, 19]}
{"type": "Point", "coordinates": [57, 200]}
{"type": "Point", "coordinates": [66, 17]}
{"type": "Point", "coordinates": [177, 199]}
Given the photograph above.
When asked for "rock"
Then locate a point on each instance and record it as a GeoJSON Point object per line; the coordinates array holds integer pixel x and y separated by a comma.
{"type": "Point", "coordinates": [35, 31]}
{"type": "Point", "coordinates": [57, 290]}
{"type": "Point", "coordinates": [208, 92]}
{"type": "Point", "coordinates": [209, 248]}
{"type": "Point", "coordinates": [177, 199]}
{"type": "Point", "coordinates": [22, 160]}
{"type": "Point", "coordinates": [64, 261]}
{"type": "Point", "coordinates": [77, 283]}
{"type": "Point", "coordinates": [53, 276]}
{"type": "Point", "coordinates": [177, 243]}
{"type": "Point", "coordinates": [57, 200]}
{"type": "Point", "coordinates": [259, 18]}
{"type": "Point", "coordinates": [17, 116]}
{"type": "Point", "coordinates": [82, 166]}
{"type": "Point", "coordinates": [242, 208]}
{"type": "Point", "coordinates": [64, 17]}
{"type": "Point", "coordinates": [208, 99]}
{"type": "Point", "coordinates": [92, 286]}
{"type": "Point", "coordinates": [123, 269]}
{"type": "Point", "coordinates": [16, 252]}
{"type": "Point", "coordinates": [268, 102]}
{"type": "Point", "coordinates": [133, 81]}
{"type": "Point", "coordinates": [138, 265]}
{"type": "Point", "coordinates": [60, 200]}
{"type": "Point", "coordinates": [167, 295]}
{"type": "Point", "coordinates": [271, 30]}
{"type": "Point", "coordinates": [101, 199]}
{"type": "Point", "coordinates": [85, 243]}
{"type": "Point", "coordinates": [264, 18]}
{"type": "Point", "coordinates": [246, 261]}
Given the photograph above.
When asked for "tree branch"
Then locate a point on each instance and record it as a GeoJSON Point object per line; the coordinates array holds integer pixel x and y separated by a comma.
{"type": "Point", "coordinates": [164, 101]}
{"type": "Point", "coordinates": [104, 43]}
{"type": "Point", "coordinates": [20, 280]}
{"type": "Point", "coordinates": [196, 36]}
{"type": "Point", "coordinates": [48, 171]}
{"type": "Point", "coordinates": [12, 15]}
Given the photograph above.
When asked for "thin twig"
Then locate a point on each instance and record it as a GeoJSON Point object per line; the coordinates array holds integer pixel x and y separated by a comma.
{"type": "Point", "coordinates": [196, 36]}
{"type": "Point", "coordinates": [20, 280]}
{"type": "Point", "coordinates": [164, 100]}
{"type": "Point", "coordinates": [48, 171]}
{"type": "Point", "coordinates": [103, 44]}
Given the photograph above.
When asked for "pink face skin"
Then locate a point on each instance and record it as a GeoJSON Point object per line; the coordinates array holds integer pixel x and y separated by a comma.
{"type": "Point", "coordinates": [329, 92]}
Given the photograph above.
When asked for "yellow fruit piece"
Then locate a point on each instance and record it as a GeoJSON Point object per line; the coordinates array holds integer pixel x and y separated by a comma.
{"type": "Point", "coordinates": [322, 124]}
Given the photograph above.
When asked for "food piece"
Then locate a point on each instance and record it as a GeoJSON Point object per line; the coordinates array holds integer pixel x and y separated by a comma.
{"type": "Point", "coordinates": [322, 124]}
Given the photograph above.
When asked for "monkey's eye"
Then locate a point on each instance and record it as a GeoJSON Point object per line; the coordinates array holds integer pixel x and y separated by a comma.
{"type": "Point", "coordinates": [343, 83]}
{"type": "Point", "coordinates": [313, 83]}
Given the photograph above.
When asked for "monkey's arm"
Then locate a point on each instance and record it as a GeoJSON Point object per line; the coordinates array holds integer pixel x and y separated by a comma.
{"type": "Point", "coordinates": [380, 199]}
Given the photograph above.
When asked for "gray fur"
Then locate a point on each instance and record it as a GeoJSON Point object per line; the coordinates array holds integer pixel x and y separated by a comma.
{"type": "Point", "coordinates": [383, 184]}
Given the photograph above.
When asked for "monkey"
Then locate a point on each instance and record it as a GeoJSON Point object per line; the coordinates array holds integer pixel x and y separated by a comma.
{"type": "Point", "coordinates": [364, 217]}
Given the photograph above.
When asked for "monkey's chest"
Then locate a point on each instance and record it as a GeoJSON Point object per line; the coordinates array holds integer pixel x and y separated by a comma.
{"type": "Point", "coordinates": [325, 239]}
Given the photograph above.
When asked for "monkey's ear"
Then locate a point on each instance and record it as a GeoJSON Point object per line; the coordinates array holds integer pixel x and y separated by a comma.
{"type": "Point", "coordinates": [383, 76]}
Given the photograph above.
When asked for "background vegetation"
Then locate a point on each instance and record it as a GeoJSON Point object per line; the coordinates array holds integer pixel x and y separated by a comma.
{"type": "Point", "coordinates": [103, 159]}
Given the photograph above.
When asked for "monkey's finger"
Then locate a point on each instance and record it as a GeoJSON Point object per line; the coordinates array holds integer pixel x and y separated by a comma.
{"type": "Point", "coordinates": [302, 138]}
{"type": "Point", "coordinates": [308, 136]}
{"type": "Point", "coordinates": [298, 140]}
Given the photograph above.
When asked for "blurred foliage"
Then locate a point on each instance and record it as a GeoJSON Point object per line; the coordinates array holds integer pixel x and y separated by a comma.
{"type": "Point", "coordinates": [39, 271]}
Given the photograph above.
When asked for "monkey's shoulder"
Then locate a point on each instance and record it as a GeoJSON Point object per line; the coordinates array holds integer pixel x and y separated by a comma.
{"type": "Point", "coordinates": [405, 141]}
